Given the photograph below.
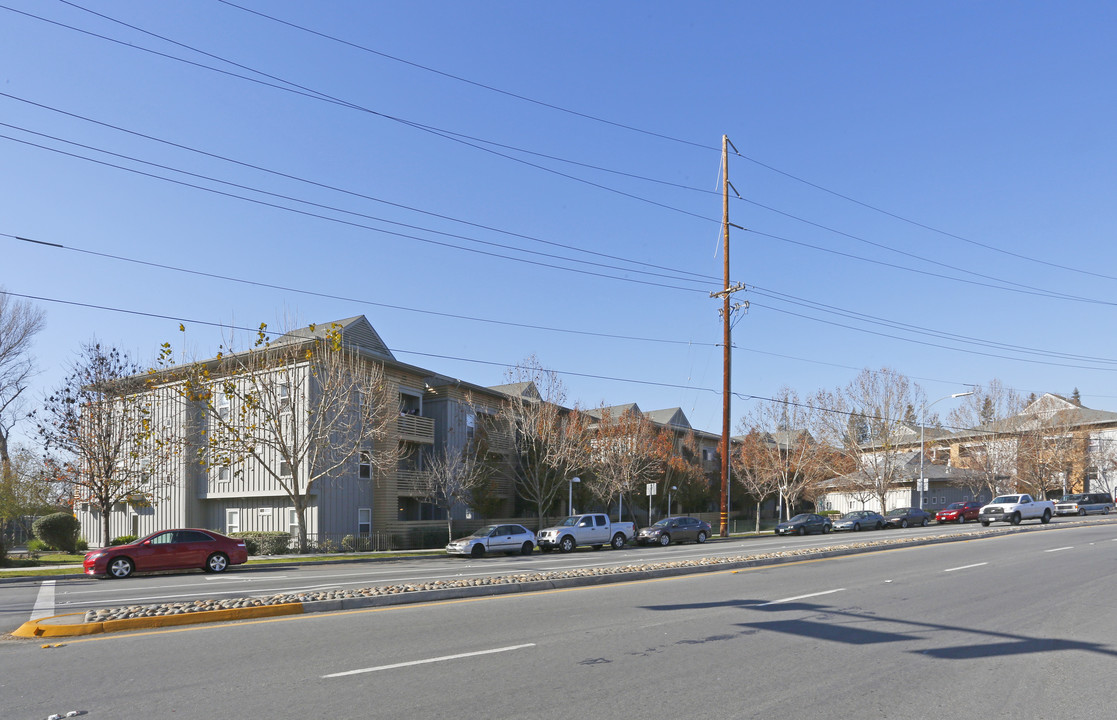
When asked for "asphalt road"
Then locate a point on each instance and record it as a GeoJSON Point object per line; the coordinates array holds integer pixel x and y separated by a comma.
{"type": "Point", "coordinates": [1012, 626]}
{"type": "Point", "coordinates": [22, 600]}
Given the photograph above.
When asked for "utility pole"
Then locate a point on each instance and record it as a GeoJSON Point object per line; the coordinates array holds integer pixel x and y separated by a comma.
{"type": "Point", "coordinates": [726, 317]}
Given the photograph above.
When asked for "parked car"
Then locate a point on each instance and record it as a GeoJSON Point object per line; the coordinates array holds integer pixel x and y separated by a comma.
{"type": "Point", "coordinates": [1014, 508]}
{"type": "Point", "coordinates": [859, 520]}
{"type": "Point", "coordinates": [1084, 504]}
{"type": "Point", "coordinates": [494, 538]}
{"type": "Point", "coordinates": [593, 529]}
{"type": "Point", "coordinates": [183, 549]}
{"type": "Point", "coordinates": [959, 512]}
{"type": "Point", "coordinates": [906, 517]}
{"type": "Point", "coordinates": [674, 529]}
{"type": "Point", "coordinates": [804, 523]}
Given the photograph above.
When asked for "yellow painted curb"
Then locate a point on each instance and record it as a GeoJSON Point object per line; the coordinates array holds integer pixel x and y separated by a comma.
{"type": "Point", "coordinates": [42, 628]}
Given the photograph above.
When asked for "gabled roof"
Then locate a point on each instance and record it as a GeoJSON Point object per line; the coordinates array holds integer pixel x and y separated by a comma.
{"type": "Point", "coordinates": [1049, 410]}
{"type": "Point", "coordinates": [674, 417]}
{"type": "Point", "coordinates": [526, 390]}
{"type": "Point", "coordinates": [615, 411]}
{"type": "Point", "coordinates": [356, 332]}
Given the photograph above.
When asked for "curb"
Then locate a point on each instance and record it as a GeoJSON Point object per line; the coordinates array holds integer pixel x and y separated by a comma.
{"type": "Point", "coordinates": [55, 626]}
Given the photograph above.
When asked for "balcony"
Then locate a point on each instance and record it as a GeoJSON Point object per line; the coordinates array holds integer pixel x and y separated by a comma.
{"type": "Point", "coordinates": [415, 428]}
{"type": "Point", "coordinates": [409, 483]}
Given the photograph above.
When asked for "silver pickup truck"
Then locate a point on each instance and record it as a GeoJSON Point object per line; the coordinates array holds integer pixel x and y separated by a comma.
{"type": "Point", "coordinates": [593, 529]}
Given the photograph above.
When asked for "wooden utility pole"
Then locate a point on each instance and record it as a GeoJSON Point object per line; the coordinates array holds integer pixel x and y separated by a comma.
{"type": "Point", "coordinates": [726, 316]}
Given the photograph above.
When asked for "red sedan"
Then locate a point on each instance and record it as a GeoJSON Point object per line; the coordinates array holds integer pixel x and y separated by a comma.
{"type": "Point", "coordinates": [959, 512]}
{"type": "Point", "coordinates": [168, 550]}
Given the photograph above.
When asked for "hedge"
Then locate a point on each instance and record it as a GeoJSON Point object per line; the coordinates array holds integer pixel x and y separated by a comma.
{"type": "Point", "coordinates": [265, 543]}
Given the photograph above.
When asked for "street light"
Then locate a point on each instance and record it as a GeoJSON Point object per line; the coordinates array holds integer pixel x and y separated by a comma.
{"type": "Point", "coordinates": [922, 433]}
{"type": "Point", "coordinates": [673, 489]}
{"type": "Point", "coordinates": [570, 495]}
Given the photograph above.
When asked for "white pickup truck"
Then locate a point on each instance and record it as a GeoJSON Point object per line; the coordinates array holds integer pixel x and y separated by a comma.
{"type": "Point", "coordinates": [1014, 508]}
{"type": "Point", "coordinates": [593, 529]}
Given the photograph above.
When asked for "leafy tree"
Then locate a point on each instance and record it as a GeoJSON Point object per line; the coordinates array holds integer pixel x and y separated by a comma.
{"type": "Point", "coordinates": [59, 530]}
{"type": "Point", "coordinates": [621, 455]}
{"type": "Point", "coordinates": [106, 436]}
{"type": "Point", "coordinates": [297, 410]}
{"type": "Point", "coordinates": [751, 467]}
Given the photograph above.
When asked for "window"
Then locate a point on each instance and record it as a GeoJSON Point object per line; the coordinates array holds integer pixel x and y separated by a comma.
{"type": "Point", "coordinates": [283, 395]}
{"type": "Point", "coordinates": [221, 404]}
{"type": "Point", "coordinates": [223, 474]}
{"type": "Point", "coordinates": [232, 520]}
{"type": "Point", "coordinates": [364, 522]}
{"type": "Point", "coordinates": [284, 468]}
{"type": "Point", "coordinates": [293, 522]}
{"type": "Point", "coordinates": [364, 469]}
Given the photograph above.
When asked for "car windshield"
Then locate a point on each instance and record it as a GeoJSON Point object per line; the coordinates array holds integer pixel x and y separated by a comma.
{"type": "Point", "coordinates": [570, 521]}
{"type": "Point", "coordinates": [899, 511]}
{"type": "Point", "coordinates": [662, 523]}
{"type": "Point", "coordinates": [851, 516]}
{"type": "Point", "coordinates": [483, 532]}
{"type": "Point", "coordinates": [1006, 499]}
{"type": "Point", "coordinates": [801, 517]}
{"type": "Point", "coordinates": [1073, 498]}
{"type": "Point", "coordinates": [956, 506]}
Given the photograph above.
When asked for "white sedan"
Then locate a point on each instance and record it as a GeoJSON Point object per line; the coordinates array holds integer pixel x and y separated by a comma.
{"type": "Point", "coordinates": [494, 538]}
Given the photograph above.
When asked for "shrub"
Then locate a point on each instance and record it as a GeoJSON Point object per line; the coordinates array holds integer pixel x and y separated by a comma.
{"type": "Point", "coordinates": [59, 530]}
{"type": "Point", "coordinates": [265, 543]}
{"type": "Point", "coordinates": [122, 540]}
{"type": "Point", "coordinates": [81, 546]}
{"type": "Point", "coordinates": [34, 545]}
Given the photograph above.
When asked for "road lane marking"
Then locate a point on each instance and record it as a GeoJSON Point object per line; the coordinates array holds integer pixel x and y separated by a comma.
{"type": "Point", "coordinates": [429, 660]}
{"type": "Point", "coordinates": [801, 597]}
{"type": "Point", "coordinates": [44, 602]}
{"type": "Point", "coordinates": [965, 567]}
{"type": "Point", "coordinates": [1068, 547]}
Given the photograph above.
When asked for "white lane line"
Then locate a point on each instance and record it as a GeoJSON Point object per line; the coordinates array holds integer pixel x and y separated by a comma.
{"type": "Point", "coordinates": [44, 603]}
{"type": "Point", "coordinates": [429, 660]}
{"type": "Point", "coordinates": [966, 567]}
{"type": "Point", "coordinates": [801, 597]}
{"type": "Point", "coordinates": [1068, 547]}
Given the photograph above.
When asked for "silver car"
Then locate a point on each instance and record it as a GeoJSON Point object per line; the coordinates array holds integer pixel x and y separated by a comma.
{"type": "Point", "coordinates": [494, 538]}
{"type": "Point", "coordinates": [860, 520]}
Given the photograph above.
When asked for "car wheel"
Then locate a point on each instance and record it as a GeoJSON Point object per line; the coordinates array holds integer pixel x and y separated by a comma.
{"type": "Point", "coordinates": [856, 527]}
{"type": "Point", "coordinates": [1105, 511]}
{"type": "Point", "coordinates": [923, 523]}
{"type": "Point", "coordinates": [618, 541]}
{"type": "Point", "coordinates": [825, 529]}
{"type": "Point", "coordinates": [526, 548]}
{"type": "Point", "coordinates": [880, 526]}
{"type": "Point", "coordinates": [477, 551]}
{"type": "Point", "coordinates": [216, 563]}
{"type": "Point", "coordinates": [1015, 519]}
{"type": "Point", "coordinates": [961, 518]}
{"type": "Point", "coordinates": [985, 523]}
{"type": "Point", "coordinates": [1081, 511]}
{"type": "Point", "coordinates": [801, 531]}
{"type": "Point", "coordinates": [1046, 517]}
{"type": "Point", "coordinates": [566, 544]}
{"type": "Point", "coordinates": [120, 567]}
{"type": "Point", "coordinates": [904, 523]}
{"type": "Point", "coordinates": [701, 537]}
{"type": "Point", "coordinates": [664, 539]}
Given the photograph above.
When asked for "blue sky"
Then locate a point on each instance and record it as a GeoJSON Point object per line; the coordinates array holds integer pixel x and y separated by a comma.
{"type": "Point", "coordinates": [905, 170]}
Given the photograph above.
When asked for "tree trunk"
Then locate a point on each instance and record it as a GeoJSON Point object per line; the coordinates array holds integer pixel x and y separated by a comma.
{"type": "Point", "coordinates": [105, 527]}
{"type": "Point", "coordinates": [757, 517]}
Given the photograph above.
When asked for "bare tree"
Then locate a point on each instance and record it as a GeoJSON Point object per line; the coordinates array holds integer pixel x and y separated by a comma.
{"type": "Point", "coordinates": [751, 467]}
{"type": "Point", "coordinates": [297, 410]}
{"type": "Point", "coordinates": [867, 420]}
{"type": "Point", "coordinates": [450, 478]}
{"type": "Point", "coordinates": [622, 455]}
{"type": "Point", "coordinates": [20, 321]}
{"type": "Point", "coordinates": [105, 434]}
{"type": "Point", "coordinates": [988, 442]}
{"type": "Point", "coordinates": [1048, 448]}
{"type": "Point", "coordinates": [547, 438]}
{"type": "Point", "coordinates": [790, 454]}
{"type": "Point", "coordinates": [681, 466]}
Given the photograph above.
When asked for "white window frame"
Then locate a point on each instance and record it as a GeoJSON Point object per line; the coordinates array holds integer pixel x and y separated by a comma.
{"type": "Point", "coordinates": [364, 522]}
{"type": "Point", "coordinates": [364, 465]}
{"type": "Point", "coordinates": [232, 520]}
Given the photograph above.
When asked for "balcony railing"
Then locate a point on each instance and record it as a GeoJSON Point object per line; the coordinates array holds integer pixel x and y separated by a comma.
{"type": "Point", "coordinates": [409, 483]}
{"type": "Point", "coordinates": [415, 428]}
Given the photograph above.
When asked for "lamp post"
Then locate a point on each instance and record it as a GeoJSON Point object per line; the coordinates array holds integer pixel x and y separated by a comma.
{"type": "Point", "coordinates": [922, 434]}
{"type": "Point", "coordinates": [671, 490]}
{"type": "Point", "coordinates": [570, 495]}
